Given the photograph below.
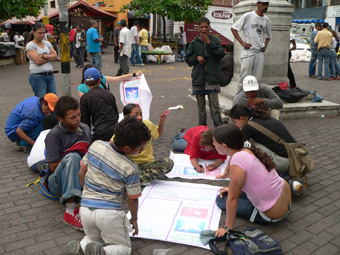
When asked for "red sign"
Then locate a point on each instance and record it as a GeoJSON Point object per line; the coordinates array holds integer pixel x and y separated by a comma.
{"type": "Point", "coordinates": [222, 15]}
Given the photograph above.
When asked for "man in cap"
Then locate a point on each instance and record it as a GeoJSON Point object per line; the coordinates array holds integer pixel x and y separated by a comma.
{"type": "Point", "coordinates": [258, 95]}
{"type": "Point", "coordinates": [98, 107]}
{"type": "Point", "coordinates": [24, 123]}
{"type": "Point", "coordinates": [254, 25]}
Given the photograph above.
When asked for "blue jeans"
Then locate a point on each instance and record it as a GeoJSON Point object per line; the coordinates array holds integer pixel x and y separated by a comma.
{"type": "Point", "coordinates": [33, 134]}
{"type": "Point", "coordinates": [244, 207]}
{"type": "Point", "coordinates": [324, 55]}
{"type": "Point", "coordinates": [96, 59]}
{"type": "Point", "coordinates": [65, 182]}
{"type": "Point", "coordinates": [179, 143]}
{"type": "Point", "coordinates": [71, 49]}
{"type": "Point", "coordinates": [334, 64]}
{"type": "Point", "coordinates": [134, 54]}
{"type": "Point", "coordinates": [144, 57]}
{"type": "Point", "coordinates": [312, 62]}
{"type": "Point", "coordinates": [42, 84]}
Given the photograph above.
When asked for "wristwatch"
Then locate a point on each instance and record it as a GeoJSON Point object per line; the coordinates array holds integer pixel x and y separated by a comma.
{"type": "Point", "coordinates": [227, 229]}
{"type": "Point", "coordinates": [134, 75]}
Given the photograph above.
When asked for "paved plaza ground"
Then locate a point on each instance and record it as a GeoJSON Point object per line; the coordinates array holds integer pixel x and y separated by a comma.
{"type": "Point", "coordinates": [32, 224]}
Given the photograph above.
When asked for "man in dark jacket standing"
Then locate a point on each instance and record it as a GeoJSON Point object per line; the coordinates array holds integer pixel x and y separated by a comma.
{"type": "Point", "coordinates": [205, 53]}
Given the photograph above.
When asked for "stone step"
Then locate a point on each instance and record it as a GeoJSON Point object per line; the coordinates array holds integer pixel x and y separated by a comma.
{"type": "Point", "coordinates": [301, 109]}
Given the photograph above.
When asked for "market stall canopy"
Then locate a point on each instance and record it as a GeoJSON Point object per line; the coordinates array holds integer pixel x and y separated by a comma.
{"type": "Point", "coordinates": [29, 19]}
{"type": "Point", "coordinates": [87, 9]}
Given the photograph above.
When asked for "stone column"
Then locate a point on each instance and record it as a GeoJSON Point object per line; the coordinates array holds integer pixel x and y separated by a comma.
{"type": "Point", "coordinates": [276, 56]}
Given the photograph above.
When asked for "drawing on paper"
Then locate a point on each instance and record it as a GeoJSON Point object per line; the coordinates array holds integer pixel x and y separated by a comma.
{"type": "Point", "coordinates": [189, 226]}
{"type": "Point", "coordinates": [194, 212]}
{"type": "Point", "coordinates": [183, 168]}
{"type": "Point", "coordinates": [131, 93]}
{"type": "Point", "coordinates": [177, 212]}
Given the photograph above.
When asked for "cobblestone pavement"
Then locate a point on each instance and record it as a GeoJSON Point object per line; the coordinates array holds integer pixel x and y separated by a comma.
{"type": "Point", "coordinates": [32, 224]}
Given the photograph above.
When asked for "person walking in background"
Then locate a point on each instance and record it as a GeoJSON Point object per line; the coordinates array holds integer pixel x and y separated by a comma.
{"type": "Point", "coordinates": [182, 40]}
{"type": "Point", "coordinates": [313, 50]}
{"type": "Point", "coordinates": [324, 41]}
{"type": "Point", "coordinates": [291, 76]}
{"type": "Point", "coordinates": [72, 35]}
{"type": "Point", "coordinates": [254, 25]}
{"type": "Point", "coordinates": [204, 54]}
{"type": "Point", "coordinates": [144, 35]}
{"type": "Point", "coordinates": [135, 42]}
{"type": "Point", "coordinates": [335, 67]}
{"type": "Point", "coordinates": [79, 46]}
{"type": "Point", "coordinates": [40, 54]}
{"type": "Point", "coordinates": [124, 49]}
{"type": "Point", "coordinates": [116, 40]}
{"type": "Point", "coordinates": [93, 45]}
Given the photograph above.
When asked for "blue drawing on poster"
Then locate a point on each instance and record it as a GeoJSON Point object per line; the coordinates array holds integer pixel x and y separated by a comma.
{"type": "Point", "coordinates": [190, 171]}
{"type": "Point", "coordinates": [132, 93]}
{"type": "Point", "coordinates": [189, 226]}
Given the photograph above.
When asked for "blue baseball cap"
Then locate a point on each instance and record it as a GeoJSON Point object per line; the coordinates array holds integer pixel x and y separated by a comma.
{"type": "Point", "coordinates": [92, 74]}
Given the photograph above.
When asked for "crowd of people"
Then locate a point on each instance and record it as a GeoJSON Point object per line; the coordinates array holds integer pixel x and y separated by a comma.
{"type": "Point", "coordinates": [324, 46]}
{"type": "Point", "coordinates": [92, 158]}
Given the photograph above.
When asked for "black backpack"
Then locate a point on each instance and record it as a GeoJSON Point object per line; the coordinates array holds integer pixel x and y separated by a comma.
{"type": "Point", "coordinates": [252, 241]}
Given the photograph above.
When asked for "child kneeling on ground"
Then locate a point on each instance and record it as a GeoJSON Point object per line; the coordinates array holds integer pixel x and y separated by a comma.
{"type": "Point", "coordinates": [106, 172]}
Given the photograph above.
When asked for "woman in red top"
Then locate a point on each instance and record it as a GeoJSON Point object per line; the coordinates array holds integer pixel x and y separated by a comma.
{"type": "Point", "coordinates": [198, 143]}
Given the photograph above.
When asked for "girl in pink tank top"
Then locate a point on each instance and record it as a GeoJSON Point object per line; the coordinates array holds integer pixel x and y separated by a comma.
{"type": "Point", "coordinates": [255, 187]}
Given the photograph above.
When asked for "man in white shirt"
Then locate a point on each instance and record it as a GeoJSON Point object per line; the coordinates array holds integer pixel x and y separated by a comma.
{"type": "Point", "coordinates": [19, 39]}
{"type": "Point", "coordinates": [254, 25]}
{"type": "Point", "coordinates": [135, 42]}
{"type": "Point", "coordinates": [124, 49]}
{"type": "Point", "coordinates": [36, 159]}
{"type": "Point", "coordinates": [182, 40]}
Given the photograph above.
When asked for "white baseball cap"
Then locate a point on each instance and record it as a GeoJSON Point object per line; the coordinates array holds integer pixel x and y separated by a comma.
{"type": "Point", "coordinates": [250, 83]}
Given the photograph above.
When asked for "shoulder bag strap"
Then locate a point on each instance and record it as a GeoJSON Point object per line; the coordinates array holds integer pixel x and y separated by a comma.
{"type": "Point", "coordinates": [267, 132]}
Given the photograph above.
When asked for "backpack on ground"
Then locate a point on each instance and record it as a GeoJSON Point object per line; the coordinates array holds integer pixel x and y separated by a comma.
{"type": "Point", "coordinates": [300, 163]}
{"type": "Point", "coordinates": [252, 241]}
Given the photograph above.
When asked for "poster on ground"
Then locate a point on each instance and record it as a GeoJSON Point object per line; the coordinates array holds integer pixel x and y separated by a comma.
{"type": "Point", "coordinates": [177, 212]}
{"type": "Point", "coordinates": [183, 168]}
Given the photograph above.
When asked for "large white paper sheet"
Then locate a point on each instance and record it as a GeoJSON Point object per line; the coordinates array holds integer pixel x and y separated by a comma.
{"type": "Point", "coordinates": [183, 168]}
{"type": "Point", "coordinates": [137, 91]}
{"type": "Point", "coordinates": [177, 212]}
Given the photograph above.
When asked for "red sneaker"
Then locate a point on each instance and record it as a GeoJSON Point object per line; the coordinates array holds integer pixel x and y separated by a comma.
{"type": "Point", "coordinates": [73, 219]}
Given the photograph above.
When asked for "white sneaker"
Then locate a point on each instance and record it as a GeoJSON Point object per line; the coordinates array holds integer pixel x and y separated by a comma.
{"type": "Point", "coordinates": [141, 64]}
{"type": "Point", "coordinates": [297, 188]}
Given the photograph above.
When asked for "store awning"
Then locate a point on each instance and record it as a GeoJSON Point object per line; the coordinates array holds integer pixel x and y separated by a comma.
{"type": "Point", "coordinates": [29, 19]}
{"type": "Point", "coordinates": [88, 10]}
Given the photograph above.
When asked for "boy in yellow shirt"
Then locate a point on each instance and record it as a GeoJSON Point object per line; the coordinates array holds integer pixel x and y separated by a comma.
{"type": "Point", "coordinates": [149, 168]}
